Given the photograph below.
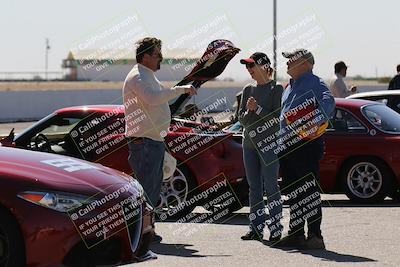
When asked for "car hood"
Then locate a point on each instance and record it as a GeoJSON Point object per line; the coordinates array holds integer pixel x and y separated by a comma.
{"type": "Point", "coordinates": [39, 167]}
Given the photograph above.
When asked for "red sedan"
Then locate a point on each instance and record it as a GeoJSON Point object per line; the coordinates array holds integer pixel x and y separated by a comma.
{"type": "Point", "coordinates": [205, 156]}
{"type": "Point", "coordinates": [59, 211]}
{"type": "Point", "coordinates": [362, 156]}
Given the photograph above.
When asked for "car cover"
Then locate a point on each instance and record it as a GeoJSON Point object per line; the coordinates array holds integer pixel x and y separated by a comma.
{"type": "Point", "coordinates": [209, 66]}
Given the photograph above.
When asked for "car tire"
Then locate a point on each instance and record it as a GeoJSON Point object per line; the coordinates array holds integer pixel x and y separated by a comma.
{"type": "Point", "coordinates": [366, 180]}
{"type": "Point", "coordinates": [12, 248]}
{"type": "Point", "coordinates": [175, 190]}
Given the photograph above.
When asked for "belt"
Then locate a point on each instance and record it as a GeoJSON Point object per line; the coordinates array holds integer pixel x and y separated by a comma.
{"type": "Point", "coordinates": [135, 140]}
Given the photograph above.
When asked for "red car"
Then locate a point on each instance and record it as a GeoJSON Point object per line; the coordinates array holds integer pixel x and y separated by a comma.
{"type": "Point", "coordinates": [362, 156]}
{"type": "Point", "coordinates": [96, 133]}
{"type": "Point", "coordinates": [60, 211]}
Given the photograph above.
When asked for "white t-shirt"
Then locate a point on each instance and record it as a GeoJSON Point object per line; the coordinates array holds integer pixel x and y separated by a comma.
{"type": "Point", "coordinates": [339, 88]}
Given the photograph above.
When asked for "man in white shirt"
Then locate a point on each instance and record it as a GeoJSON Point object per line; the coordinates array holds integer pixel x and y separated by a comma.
{"type": "Point", "coordinates": [147, 116]}
{"type": "Point", "coordinates": [338, 87]}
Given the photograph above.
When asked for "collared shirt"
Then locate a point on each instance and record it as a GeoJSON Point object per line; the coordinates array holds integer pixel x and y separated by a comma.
{"type": "Point", "coordinates": [306, 102]}
{"type": "Point", "coordinates": [147, 112]}
{"type": "Point", "coordinates": [339, 88]}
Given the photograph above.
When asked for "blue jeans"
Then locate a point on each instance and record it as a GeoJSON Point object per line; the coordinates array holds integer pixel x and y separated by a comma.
{"type": "Point", "coordinates": [262, 176]}
{"type": "Point", "coordinates": [146, 158]}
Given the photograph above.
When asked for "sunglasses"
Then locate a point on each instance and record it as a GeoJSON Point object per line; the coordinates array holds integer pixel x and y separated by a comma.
{"type": "Point", "coordinates": [250, 65]}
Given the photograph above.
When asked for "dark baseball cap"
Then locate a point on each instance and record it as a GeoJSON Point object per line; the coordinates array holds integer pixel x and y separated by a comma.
{"type": "Point", "coordinates": [257, 58]}
{"type": "Point", "coordinates": [299, 53]}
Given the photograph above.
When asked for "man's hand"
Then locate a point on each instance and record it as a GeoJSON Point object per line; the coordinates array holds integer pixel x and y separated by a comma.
{"type": "Point", "coordinates": [251, 104]}
{"type": "Point", "coordinates": [190, 90]}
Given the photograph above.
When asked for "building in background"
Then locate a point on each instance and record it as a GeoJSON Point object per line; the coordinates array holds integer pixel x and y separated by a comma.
{"type": "Point", "coordinates": [88, 65]}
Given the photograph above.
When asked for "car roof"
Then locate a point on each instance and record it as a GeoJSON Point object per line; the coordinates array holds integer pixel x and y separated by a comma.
{"type": "Point", "coordinates": [375, 93]}
{"type": "Point", "coordinates": [353, 103]}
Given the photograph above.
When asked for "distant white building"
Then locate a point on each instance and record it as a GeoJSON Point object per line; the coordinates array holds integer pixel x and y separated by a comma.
{"type": "Point", "coordinates": [87, 65]}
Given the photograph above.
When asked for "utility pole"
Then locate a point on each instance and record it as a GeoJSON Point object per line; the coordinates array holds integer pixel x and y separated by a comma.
{"type": "Point", "coordinates": [47, 57]}
{"type": "Point", "coordinates": [275, 46]}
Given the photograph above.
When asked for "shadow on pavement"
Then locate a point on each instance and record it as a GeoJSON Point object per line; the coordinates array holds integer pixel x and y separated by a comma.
{"type": "Point", "coordinates": [179, 250]}
{"type": "Point", "coordinates": [323, 254]}
{"type": "Point", "coordinates": [241, 217]}
{"type": "Point", "coordinates": [327, 255]}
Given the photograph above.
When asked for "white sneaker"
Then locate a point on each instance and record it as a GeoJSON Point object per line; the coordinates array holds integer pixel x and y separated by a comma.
{"type": "Point", "coordinates": [150, 255]}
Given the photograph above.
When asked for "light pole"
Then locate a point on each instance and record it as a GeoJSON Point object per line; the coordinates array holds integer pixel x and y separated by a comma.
{"type": "Point", "coordinates": [47, 57]}
{"type": "Point", "coordinates": [274, 23]}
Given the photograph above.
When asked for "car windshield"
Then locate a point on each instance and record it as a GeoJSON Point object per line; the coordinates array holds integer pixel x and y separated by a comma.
{"type": "Point", "coordinates": [383, 118]}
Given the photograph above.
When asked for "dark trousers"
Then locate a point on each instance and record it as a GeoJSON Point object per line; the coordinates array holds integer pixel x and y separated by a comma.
{"type": "Point", "coordinates": [300, 171]}
{"type": "Point", "coordinates": [146, 158]}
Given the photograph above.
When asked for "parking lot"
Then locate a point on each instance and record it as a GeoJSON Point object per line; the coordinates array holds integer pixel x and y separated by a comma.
{"type": "Point", "coordinates": [362, 235]}
{"type": "Point", "coordinates": [358, 235]}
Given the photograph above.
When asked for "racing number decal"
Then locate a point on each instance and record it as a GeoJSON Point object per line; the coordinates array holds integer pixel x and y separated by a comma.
{"type": "Point", "coordinates": [69, 165]}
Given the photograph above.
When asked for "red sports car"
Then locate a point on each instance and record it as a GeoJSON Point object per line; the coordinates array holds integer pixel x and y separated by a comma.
{"type": "Point", "coordinates": [60, 211]}
{"type": "Point", "coordinates": [96, 133]}
{"type": "Point", "coordinates": [362, 157]}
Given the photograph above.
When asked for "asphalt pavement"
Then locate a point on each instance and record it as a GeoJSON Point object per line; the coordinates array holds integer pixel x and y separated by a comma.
{"type": "Point", "coordinates": [359, 235]}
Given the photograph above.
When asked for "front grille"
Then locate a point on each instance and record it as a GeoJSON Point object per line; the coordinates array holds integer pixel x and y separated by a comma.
{"type": "Point", "coordinates": [107, 252]}
{"type": "Point", "coordinates": [133, 219]}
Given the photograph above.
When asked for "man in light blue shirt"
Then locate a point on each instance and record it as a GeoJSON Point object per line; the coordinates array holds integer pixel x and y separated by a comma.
{"type": "Point", "coordinates": [307, 104]}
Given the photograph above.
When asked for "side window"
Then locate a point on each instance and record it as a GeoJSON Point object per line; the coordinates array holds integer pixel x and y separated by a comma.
{"type": "Point", "coordinates": [51, 137]}
{"type": "Point", "coordinates": [59, 127]}
{"type": "Point", "coordinates": [97, 136]}
{"type": "Point", "coordinates": [343, 121]}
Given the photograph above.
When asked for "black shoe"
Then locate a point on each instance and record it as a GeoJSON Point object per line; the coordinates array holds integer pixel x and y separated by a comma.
{"type": "Point", "coordinates": [275, 238]}
{"type": "Point", "coordinates": [252, 235]}
{"type": "Point", "coordinates": [315, 242]}
{"type": "Point", "coordinates": [157, 238]}
{"type": "Point", "coordinates": [292, 241]}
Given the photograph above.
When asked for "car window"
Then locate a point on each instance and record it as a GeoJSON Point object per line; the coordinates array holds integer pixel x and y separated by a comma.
{"type": "Point", "coordinates": [96, 136]}
{"type": "Point", "coordinates": [61, 126]}
{"type": "Point", "coordinates": [50, 134]}
{"type": "Point", "coordinates": [57, 129]}
{"type": "Point", "coordinates": [343, 121]}
{"type": "Point", "coordinates": [383, 118]}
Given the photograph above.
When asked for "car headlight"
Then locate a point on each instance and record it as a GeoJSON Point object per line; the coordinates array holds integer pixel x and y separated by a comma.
{"type": "Point", "coordinates": [62, 202]}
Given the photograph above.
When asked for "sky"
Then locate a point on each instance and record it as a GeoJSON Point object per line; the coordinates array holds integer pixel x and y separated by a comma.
{"type": "Point", "coordinates": [363, 33]}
